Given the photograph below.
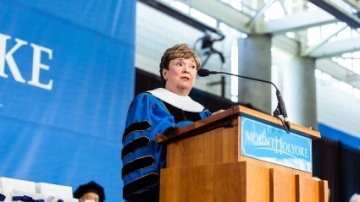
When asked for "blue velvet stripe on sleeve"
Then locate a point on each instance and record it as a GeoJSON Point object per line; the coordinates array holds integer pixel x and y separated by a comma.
{"type": "Point", "coordinates": [142, 156]}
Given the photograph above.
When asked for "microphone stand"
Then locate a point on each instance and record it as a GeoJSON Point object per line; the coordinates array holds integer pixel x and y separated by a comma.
{"type": "Point", "coordinates": [280, 108]}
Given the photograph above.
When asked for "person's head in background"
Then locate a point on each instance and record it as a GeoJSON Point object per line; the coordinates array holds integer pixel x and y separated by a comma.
{"type": "Point", "coordinates": [355, 198]}
{"type": "Point", "coordinates": [178, 69]}
{"type": "Point", "coordinates": [90, 192]}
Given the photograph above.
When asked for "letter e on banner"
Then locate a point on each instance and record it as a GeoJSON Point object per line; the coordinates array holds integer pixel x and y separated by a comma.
{"type": "Point", "coordinates": [37, 66]}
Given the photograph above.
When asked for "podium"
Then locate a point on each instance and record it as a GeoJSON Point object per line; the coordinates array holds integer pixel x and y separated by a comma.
{"type": "Point", "coordinates": [240, 155]}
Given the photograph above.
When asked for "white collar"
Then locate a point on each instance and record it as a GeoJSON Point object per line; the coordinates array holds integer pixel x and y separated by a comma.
{"type": "Point", "coordinates": [183, 102]}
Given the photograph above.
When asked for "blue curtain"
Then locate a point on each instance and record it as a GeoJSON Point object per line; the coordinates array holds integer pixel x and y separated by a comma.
{"type": "Point", "coordinates": [336, 158]}
{"type": "Point", "coordinates": [66, 80]}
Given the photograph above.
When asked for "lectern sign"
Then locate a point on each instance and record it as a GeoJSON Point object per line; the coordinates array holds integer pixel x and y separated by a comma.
{"type": "Point", "coordinates": [269, 143]}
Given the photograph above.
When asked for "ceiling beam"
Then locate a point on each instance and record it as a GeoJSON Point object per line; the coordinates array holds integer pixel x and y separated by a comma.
{"type": "Point", "coordinates": [349, 18]}
{"type": "Point", "coordinates": [338, 72]}
{"type": "Point", "coordinates": [260, 12]}
{"type": "Point", "coordinates": [222, 12]}
{"type": "Point", "coordinates": [336, 48]}
{"type": "Point", "coordinates": [164, 8]}
{"type": "Point", "coordinates": [324, 41]}
{"type": "Point", "coordinates": [353, 3]}
{"type": "Point", "coordinates": [297, 21]}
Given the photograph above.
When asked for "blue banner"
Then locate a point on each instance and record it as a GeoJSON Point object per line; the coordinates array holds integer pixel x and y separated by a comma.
{"type": "Point", "coordinates": [66, 80]}
{"type": "Point", "coordinates": [272, 144]}
{"type": "Point", "coordinates": [349, 140]}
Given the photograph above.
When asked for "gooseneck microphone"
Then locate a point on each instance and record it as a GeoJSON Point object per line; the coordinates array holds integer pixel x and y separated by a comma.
{"type": "Point", "coordinates": [280, 109]}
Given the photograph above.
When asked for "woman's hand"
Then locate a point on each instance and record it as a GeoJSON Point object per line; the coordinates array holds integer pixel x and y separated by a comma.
{"type": "Point", "coordinates": [217, 112]}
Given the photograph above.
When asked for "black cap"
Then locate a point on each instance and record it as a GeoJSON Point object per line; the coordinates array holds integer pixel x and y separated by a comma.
{"type": "Point", "coordinates": [90, 187]}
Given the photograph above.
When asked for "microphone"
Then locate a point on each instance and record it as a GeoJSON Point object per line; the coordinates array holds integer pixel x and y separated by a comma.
{"type": "Point", "coordinates": [280, 109]}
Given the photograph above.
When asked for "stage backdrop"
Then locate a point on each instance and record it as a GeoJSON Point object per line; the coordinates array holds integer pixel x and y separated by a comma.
{"type": "Point", "coordinates": [66, 80]}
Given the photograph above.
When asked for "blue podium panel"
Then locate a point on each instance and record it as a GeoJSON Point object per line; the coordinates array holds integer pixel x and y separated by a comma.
{"type": "Point", "coordinates": [266, 142]}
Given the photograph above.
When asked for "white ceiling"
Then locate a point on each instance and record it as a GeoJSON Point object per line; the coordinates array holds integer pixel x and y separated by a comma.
{"type": "Point", "coordinates": [296, 16]}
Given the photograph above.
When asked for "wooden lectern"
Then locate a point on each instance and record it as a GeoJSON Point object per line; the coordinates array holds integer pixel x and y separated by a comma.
{"type": "Point", "coordinates": [208, 161]}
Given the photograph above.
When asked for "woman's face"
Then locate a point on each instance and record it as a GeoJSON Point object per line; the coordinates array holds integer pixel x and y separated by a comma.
{"type": "Point", "coordinates": [180, 76]}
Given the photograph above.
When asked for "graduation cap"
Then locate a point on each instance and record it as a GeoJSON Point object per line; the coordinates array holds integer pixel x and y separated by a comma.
{"type": "Point", "coordinates": [90, 187]}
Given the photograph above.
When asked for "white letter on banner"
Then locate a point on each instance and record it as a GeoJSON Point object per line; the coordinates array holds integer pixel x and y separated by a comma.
{"type": "Point", "coordinates": [37, 65]}
{"type": "Point", "coordinates": [7, 57]}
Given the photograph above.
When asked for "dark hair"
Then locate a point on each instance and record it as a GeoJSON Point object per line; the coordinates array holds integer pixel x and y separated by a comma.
{"type": "Point", "coordinates": [177, 51]}
{"type": "Point", "coordinates": [90, 187]}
